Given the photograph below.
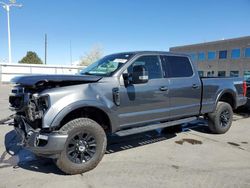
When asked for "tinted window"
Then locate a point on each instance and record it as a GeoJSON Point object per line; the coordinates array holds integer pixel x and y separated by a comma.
{"type": "Point", "coordinates": [235, 54]}
{"type": "Point", "coordinates": [247, 52]}
{"type": "Point", "coordinates": [210, 73]}
{"type": "Point", "coordinates": [201, 56]}
{"type": "Point", "coordinates": [221, 73]}
{"type": "Point", "coordinates": [178, 66]}
{"type": "Point", "coordinates": [201, 73]}
{"type": "Point", "coordinates": [234, 73]}
{"type": "Point", "coordinates": [223, 54]}
{"type": "Point", "coordinates": [211, 55]}
{"type": "Point", "coordinates": [152, 65]}
{"type": "Point", "coordinates": [247, 75]}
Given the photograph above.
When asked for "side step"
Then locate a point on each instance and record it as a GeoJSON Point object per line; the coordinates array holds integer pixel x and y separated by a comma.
{"type": "Point", "coordinates": [146, 128]}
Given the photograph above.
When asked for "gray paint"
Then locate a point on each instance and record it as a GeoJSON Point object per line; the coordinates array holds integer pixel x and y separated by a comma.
{"type": "Point", "coordinates": [142, 103]}
{"type": "Point", "coordinates": [139, 104]}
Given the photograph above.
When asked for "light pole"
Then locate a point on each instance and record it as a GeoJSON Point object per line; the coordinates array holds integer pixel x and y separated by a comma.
{"type": "Point", "coordinates": [7, 7]}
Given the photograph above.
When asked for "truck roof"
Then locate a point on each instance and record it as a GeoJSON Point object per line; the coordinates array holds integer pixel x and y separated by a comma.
{"type": "Point", "coordinates": [153, 52]}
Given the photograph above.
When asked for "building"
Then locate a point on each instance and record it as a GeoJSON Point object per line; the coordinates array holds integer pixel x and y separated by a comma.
{"type": "Point", "coordinates": [11, 70]}
{"type": "Point", "coordinates": [230, 57]}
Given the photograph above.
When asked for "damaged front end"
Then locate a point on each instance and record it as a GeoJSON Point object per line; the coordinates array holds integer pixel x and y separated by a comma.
{"type": "Point", "coordinates": [26, 102]}
{"type": "Point", "coordinates": [31, 101]}
{"type": "Point", "coordinates": [30, 109]}
{"type": "Point", "coordinates": [40, 142]}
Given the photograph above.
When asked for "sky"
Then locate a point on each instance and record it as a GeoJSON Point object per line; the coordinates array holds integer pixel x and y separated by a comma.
{"type": "Point", "coordinates": [118, 25]}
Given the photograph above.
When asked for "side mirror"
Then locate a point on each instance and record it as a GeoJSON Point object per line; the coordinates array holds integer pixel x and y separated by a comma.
{"type": "Point", "coordinates": [139, 74]}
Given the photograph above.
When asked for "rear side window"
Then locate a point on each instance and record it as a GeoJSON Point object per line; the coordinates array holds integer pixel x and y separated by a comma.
{"type": "Point", "coordinates": [152, 65]}
{"type": "Point", "coordinates": [176, 66]}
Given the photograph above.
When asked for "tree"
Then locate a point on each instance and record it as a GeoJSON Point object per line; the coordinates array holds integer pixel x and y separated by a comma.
{"type": "Point", "coordinates": [92, 56]}
{"type": "Point", "coordinates": [31, 58]}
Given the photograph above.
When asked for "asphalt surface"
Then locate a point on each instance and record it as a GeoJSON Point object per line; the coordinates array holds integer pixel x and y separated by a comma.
{"type": "Point", "coordinates": [4, 107]}
{"type": "Point", "coordinates": [192, 157]}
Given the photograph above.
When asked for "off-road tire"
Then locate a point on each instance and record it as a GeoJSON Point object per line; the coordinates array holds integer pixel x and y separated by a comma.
{"type": "Point", "coordinates": [72, 128]}
{"type": "Point", "coordinates": [214, 119]}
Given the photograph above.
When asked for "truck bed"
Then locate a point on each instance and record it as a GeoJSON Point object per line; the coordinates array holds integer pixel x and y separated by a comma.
{"type": "Point", "coordinates": [214, 88]}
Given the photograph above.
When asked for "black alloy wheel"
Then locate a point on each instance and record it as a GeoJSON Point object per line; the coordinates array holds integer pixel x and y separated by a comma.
{"type": "Point", "coordinates": [81, 148]}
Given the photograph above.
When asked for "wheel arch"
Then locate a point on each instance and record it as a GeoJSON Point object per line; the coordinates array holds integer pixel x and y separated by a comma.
{"type": "Point", "coordinates": [96, 112]}
{"type": "Point", "coordinates": [227, 96]}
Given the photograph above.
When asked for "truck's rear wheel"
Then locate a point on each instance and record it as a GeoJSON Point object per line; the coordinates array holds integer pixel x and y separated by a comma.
{"type": "Point", "coordinates": [220, 120]}
{"type": "Point", "coordinates": [84, 148]}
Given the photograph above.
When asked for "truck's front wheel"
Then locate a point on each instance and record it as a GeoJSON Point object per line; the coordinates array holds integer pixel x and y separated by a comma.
{"type": "Point", "coordinates": [220, 120]}
{"type": "Point", "coordinates": [84, 148]}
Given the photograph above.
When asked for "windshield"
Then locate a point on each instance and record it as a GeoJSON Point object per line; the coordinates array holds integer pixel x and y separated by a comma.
{"type": "Point", "coordinates": [108, 65]}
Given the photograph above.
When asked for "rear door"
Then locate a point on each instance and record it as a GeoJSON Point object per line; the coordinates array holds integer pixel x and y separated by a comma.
{"type": "Point", "coordinates": [184, 88]}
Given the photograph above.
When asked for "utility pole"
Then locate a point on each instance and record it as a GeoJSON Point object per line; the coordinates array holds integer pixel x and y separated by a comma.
{"type": "Point", "coordinates": [45, 55]}
{"type": "Point", "coordinates": [9, 43]}
{"type": "Point", "coordinates": [7, 8]}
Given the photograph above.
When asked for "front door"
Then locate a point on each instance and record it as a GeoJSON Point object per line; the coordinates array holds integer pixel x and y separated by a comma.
{"type": "Point", "coordinates": [140, 103]}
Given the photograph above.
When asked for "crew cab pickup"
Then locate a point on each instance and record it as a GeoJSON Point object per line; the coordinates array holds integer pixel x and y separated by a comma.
{"type": "Point", "coordinates": [68, 117]}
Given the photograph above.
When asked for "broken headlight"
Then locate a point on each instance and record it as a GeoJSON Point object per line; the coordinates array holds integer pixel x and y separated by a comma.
{"type": "Point", "coordinates": [37, 107]}
{"type": "Point", "coordinates": [43, 103]}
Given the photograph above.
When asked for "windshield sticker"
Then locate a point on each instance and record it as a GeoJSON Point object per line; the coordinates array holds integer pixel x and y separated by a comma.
{"type": "Point", "coordinates": [120, 60]}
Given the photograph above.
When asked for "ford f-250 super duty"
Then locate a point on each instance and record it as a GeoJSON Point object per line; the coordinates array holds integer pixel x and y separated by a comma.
{"type": "Point", "coordinates": [68, 117]}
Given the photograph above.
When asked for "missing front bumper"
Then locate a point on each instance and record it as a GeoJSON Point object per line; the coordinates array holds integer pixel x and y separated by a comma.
{"type": "Point", "coordinates": [38, 142]}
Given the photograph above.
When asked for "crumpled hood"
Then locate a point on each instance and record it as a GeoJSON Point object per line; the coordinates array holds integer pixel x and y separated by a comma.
{"type": "Point", "coordinates": [35, 80]}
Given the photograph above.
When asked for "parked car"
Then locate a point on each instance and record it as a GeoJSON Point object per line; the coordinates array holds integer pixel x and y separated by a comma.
{"type": "Point", "coordinates": [248, 93]}
{"type": "Point", "coordinates": [68, 117]}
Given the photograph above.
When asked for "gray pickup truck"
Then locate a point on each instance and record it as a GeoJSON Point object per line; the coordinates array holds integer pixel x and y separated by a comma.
{"type": "Point", "coordinates": [68, 117]}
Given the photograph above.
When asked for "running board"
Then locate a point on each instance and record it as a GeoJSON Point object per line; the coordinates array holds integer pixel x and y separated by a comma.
{"type": "Point", "coordinates": [146, 128]}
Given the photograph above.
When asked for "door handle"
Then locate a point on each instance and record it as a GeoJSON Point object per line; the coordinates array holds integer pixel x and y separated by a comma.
{"type": "Point", "coordinates": [163, 88]}
{"type": "Point", "coordinates": [195, 86]}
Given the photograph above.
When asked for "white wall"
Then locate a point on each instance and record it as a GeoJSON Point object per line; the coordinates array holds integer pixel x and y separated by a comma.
{"type": "Point", "coordinates": [8, 71]}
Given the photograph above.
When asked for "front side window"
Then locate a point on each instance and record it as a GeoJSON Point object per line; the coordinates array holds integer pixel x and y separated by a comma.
{"type": "Point", "coordinates": [234, 73]}
{"type": "Point", "coordinates": [152, 65]}
{"type": "Point", "coordinates": [211, 55]}
{"type": "Point", "coordinates": [108, 65]}
{"type": "Point", "coordinates": [235, 53]}
{"type": "Point", "coordinates": [223, 54]}
{"type": "Point", "coordinates": [247, 52]}
{"type": "Point", "coordinates": [201, 56]}
{"type": "Point", "coordinates": [177, 66]}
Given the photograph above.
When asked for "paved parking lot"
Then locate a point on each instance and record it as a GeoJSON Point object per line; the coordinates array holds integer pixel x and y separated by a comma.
{"type": "Point", "coordinates": [4, 107]}
{"type": "Point", "coordinates": [191, 158]}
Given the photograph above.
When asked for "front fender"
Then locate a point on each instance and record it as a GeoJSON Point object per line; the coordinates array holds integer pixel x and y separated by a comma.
{"type": "Point", "coordinates": [55, 122]}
